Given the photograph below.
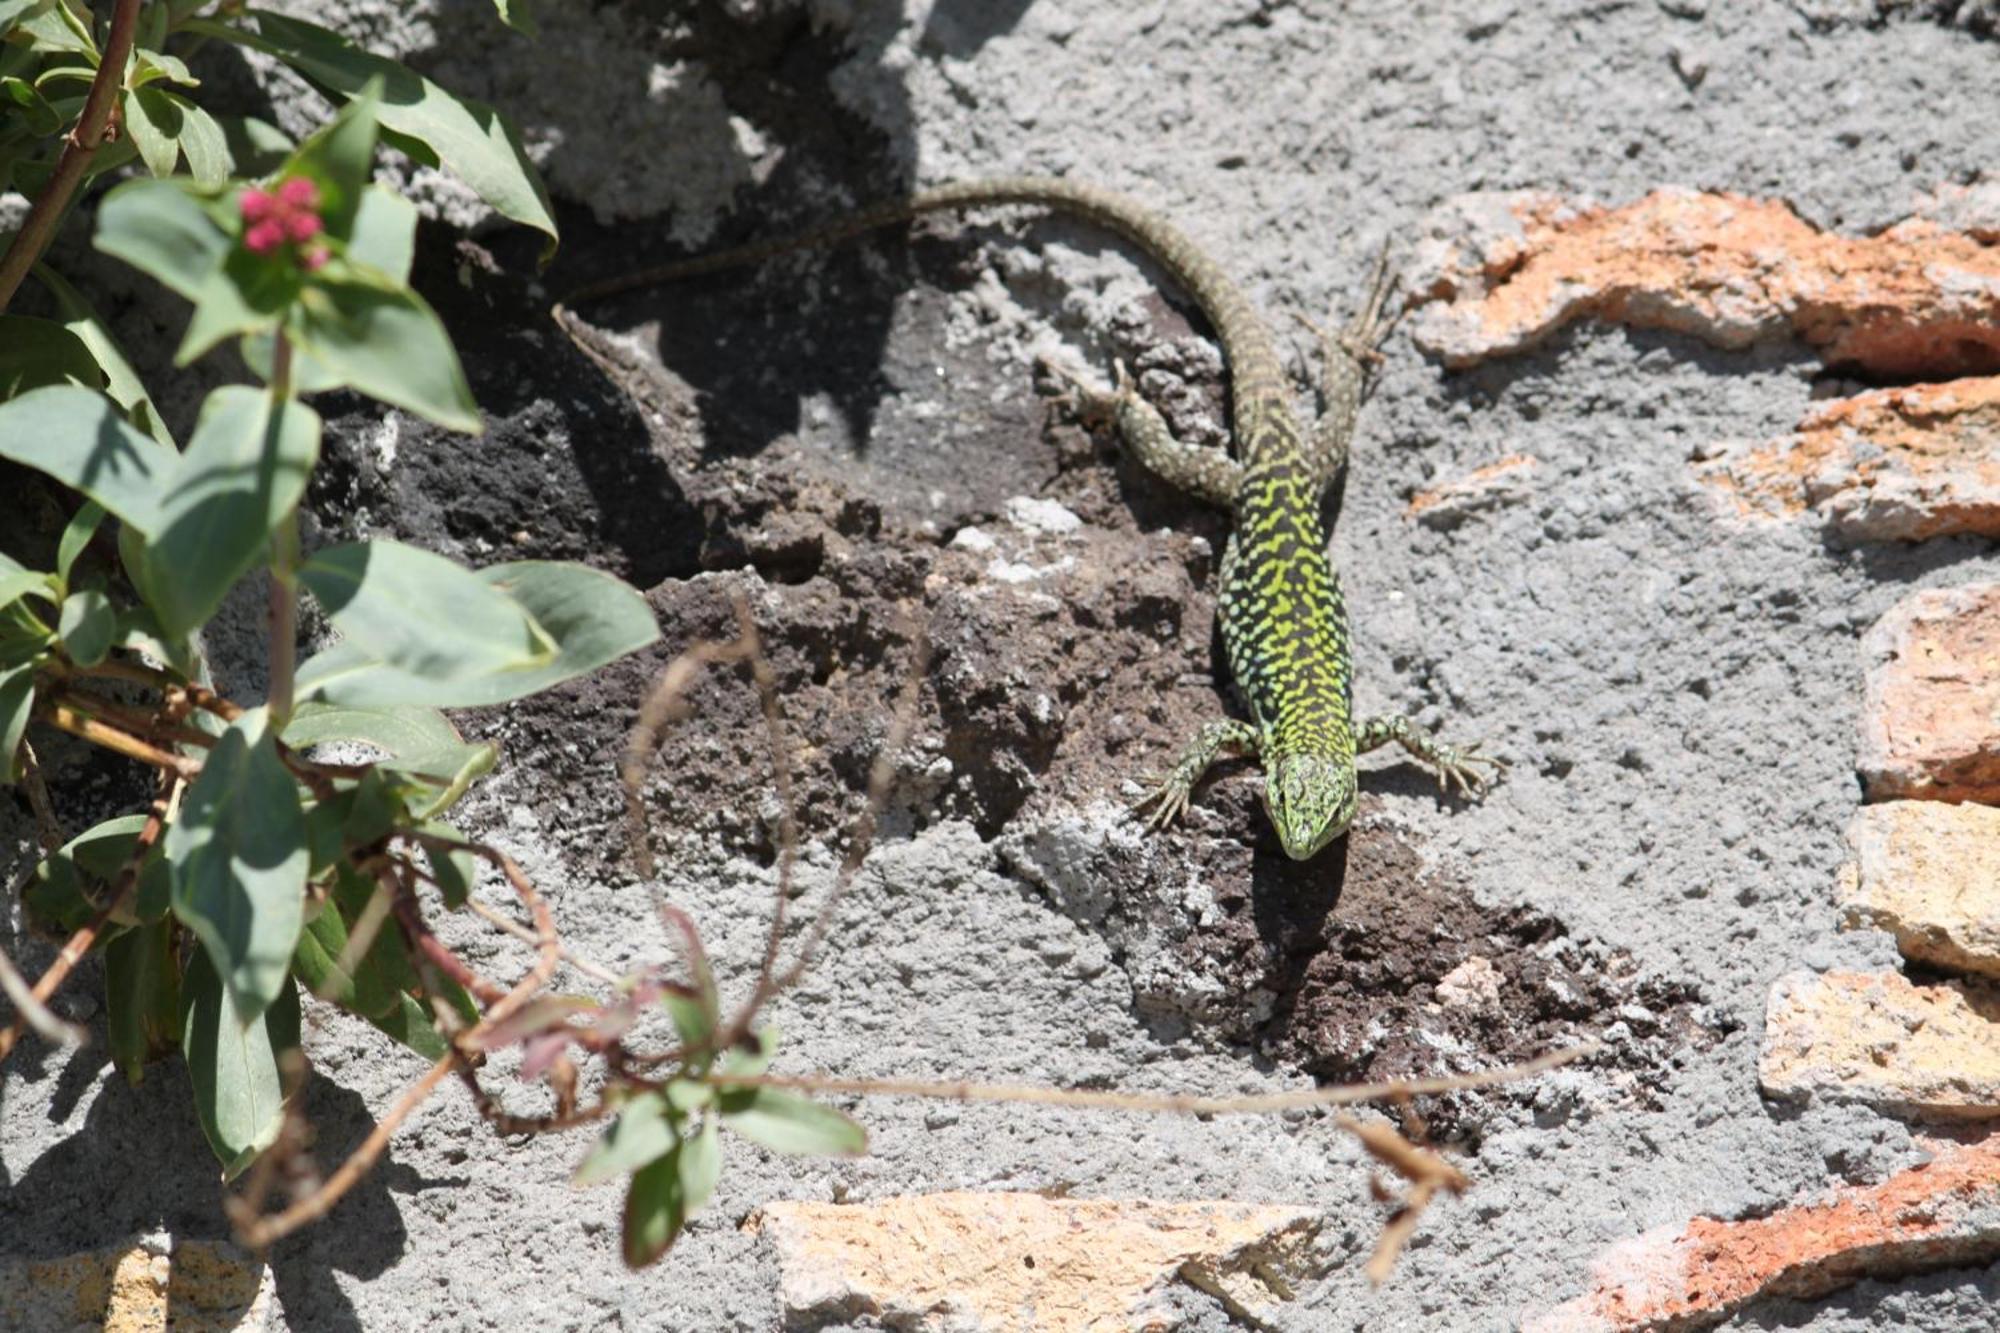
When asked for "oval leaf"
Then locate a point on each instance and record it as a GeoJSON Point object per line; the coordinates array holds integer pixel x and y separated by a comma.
{"type": "Point", "coordinates": [77, 436]}
{"type": "Point", "coordinates": [121, 381]}
{"type": "Point", "coordinates": [232, 1061]}
{"type": "Point", "coordinates": [238, 860]}
{"type": "Point", "coordinates": [418, 612]}
{"type": "Point", "coordinates": [788, 1123]}
{"type": "Point", "coordinates": [242, 475]}
{"type": "Point", "coordinates": [388, 343]}
{"type": "Point", "coordinates": [159, 229]}
{"type": "Point", "coordinates": [35, 353]}
{"type": "Point", "coordinates": [87, 627]}
{"type": "Point", "coordinates": [640, 1135]}
{"type": "Point", "coordinates": [655, 1211]}
{"type": "Point", "coordinates": [701, 1167]}
{"type": "Point", "coordinates": [593, 617]}
{"type": "Point", "coordinates": [472, 140]}
{"type": "Point", "coordinates": [141, 997]}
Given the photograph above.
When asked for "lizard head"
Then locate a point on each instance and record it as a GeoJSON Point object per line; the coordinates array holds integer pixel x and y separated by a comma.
{"type": "Point", "coordinates": [1311, 801]}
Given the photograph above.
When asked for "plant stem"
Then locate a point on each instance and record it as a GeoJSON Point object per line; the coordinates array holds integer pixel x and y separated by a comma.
{"type": "Point", "coordinates": [284, 650]}
{"type": "Point", "coordinates": [84, 139]}
{"type": "Point", "coordinates": [80, 724]}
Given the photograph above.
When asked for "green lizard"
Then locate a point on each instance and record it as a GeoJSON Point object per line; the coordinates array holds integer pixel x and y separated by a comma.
{"type": "Point", "coordinates": [1284, 624]}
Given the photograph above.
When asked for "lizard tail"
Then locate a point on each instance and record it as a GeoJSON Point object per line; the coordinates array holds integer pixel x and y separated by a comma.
{"type": "Point", "coordinates": [1238, 326]}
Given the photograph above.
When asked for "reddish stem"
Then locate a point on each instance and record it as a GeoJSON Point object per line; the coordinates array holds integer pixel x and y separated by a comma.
{"type": "Point", "coordinates": [85, 138]}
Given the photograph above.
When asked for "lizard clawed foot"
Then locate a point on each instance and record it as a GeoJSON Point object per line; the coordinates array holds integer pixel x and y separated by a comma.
{"type": "Point", "coordinates": [1168, 796]}
{"type": "Point", "coordinates": [1089, 400]}
{"type": "Point", "coordinates": [1466, 767]}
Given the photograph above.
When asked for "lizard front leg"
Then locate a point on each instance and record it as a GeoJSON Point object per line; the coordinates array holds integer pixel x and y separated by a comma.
{"type": "Point", "coordinates": [1345, 359]}
{"type": "Point", "coordinates": [1201, 470]}
{"type": "Point", "coordinates": [1462, 764]}
{"type": "Point", "coordinates": [1169, 795]}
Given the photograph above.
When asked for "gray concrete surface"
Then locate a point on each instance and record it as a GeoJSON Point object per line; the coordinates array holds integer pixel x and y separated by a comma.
{"type": "Point", "coordinates": [1677, 696]}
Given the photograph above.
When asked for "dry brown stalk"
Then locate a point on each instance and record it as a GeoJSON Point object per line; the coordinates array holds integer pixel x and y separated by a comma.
{"type": "Point", "coordinates": [97, 733]}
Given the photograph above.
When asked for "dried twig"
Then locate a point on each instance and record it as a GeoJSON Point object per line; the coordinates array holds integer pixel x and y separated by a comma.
{"type": "Point", "coordinates": [1262, 1103]}
{"type": "Point", "coordinates": [56, 1031]}
{"type": "Point", "coordinates": [665, 703]}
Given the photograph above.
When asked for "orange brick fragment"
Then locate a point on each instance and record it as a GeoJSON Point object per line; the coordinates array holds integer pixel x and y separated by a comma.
{"type": "Point", "coordinates": [1917, 301]}
{"type": "Point", "coordinates": [1941, 1214]}
{"type": "Point", "coordinates": [1901, 464]}
{"type": "Point", "coordinates": [1930, 728]}
{"type": "Point", "coordinates": [1503, 481]}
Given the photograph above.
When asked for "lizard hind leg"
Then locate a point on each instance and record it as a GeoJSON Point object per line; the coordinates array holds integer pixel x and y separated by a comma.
{"type": "Point", "coordinates": [1346, 357]}
{"type": "Point", "coordinates": [1200, 470]}
{"type": "Point", "coordinates": [1168, 796]}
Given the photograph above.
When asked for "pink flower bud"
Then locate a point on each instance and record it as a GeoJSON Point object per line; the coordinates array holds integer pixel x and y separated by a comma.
{"type": "Point", "coordinates": [302, 226]}
{"type": "Point", "coordinates": [256, 205]}
{"type": "Point", "coordinates": [314, 258]}
{"type": "Point", "coordinates": [265, 237]}
{"type": "Point", "coordinates": [299, 192]}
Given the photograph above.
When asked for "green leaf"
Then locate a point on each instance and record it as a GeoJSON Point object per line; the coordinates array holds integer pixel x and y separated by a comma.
{"type": "Point", "coordinates": [356, 815]}
{"type": "Point", "coordinates": [40, 119]}
{"type": "Point", "coordinates": [338, 158]}
{"type": "Point", "coordinates": [160, 229]}
{"type": "Point", "coordinates": [385, 234]}
{"type": "Point", "coordinates": [13, 11]}
{"type": "Point", "coordinates": [140, 627]}
{"type": "Point", "coordinates": [232, 1060]}
{"type": "Point", "coordinates": [243, 473]}
{"type": "Point", "coordinates": [375, 989]}
{"type": "Point", "coordinates": [517, 15]}
{"type": "Point", "coordinates": [471, 139]}
{"type": "Point", "coordinates": [18, 583]}
{"type": "Point", "coordinates": [593, 618]}
{"type": "Point", "coordinates": [203, 144]}
{"type": "Point", "coordinates": [76, 535]}
{"type": "Point", "coordinates": [454, 871]}
{"type": "Point", "coordinates": [785, 1122]}
{"type": "Point", "coordinates": [393, 600]}
{"type": "Point", "coordinates": [141, 997]}
{"type": "Point", "coordinates": [54, 28]}
{"type": "Point", "coordinates": [389, 344]}
{"type": "Point", "coordinates": [154, 121]}
{"type": "Point", "coordinates": [410, 1023]}
{"type": "Point", "coordinates": [150, 65]}
{"type": "Point", "coordinates": [642, 1133]}
{"type": "Point", "coordinates": [238, 857]}
{"type": "Point", "coordinates": [38, 352]}
{"type": "Point", "coordinates": [256, 147]}
{"type": "Point", "coordinates": [71, 883]}
{"type": "Point", "coordinates": [655, 1210]}
{"type": "Point", "coordinates": [17, 700]}
{"type": "Point", "coordinates": [421, 743]}
{"type": "Point", "coordinates": [87, 626]}
{"type": "Point", "coordinates": [246, 294]}
{"type": "Point", "coordinates": [701, 1167]}
{"type": "Point", "coordinates": [76, 436]}
{"type": "Point", "coordinates": [121, 382]}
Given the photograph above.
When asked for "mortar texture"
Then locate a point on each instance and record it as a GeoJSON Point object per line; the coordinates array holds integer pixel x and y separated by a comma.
{"type": "Point", "coordinates": [1677, 694]}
